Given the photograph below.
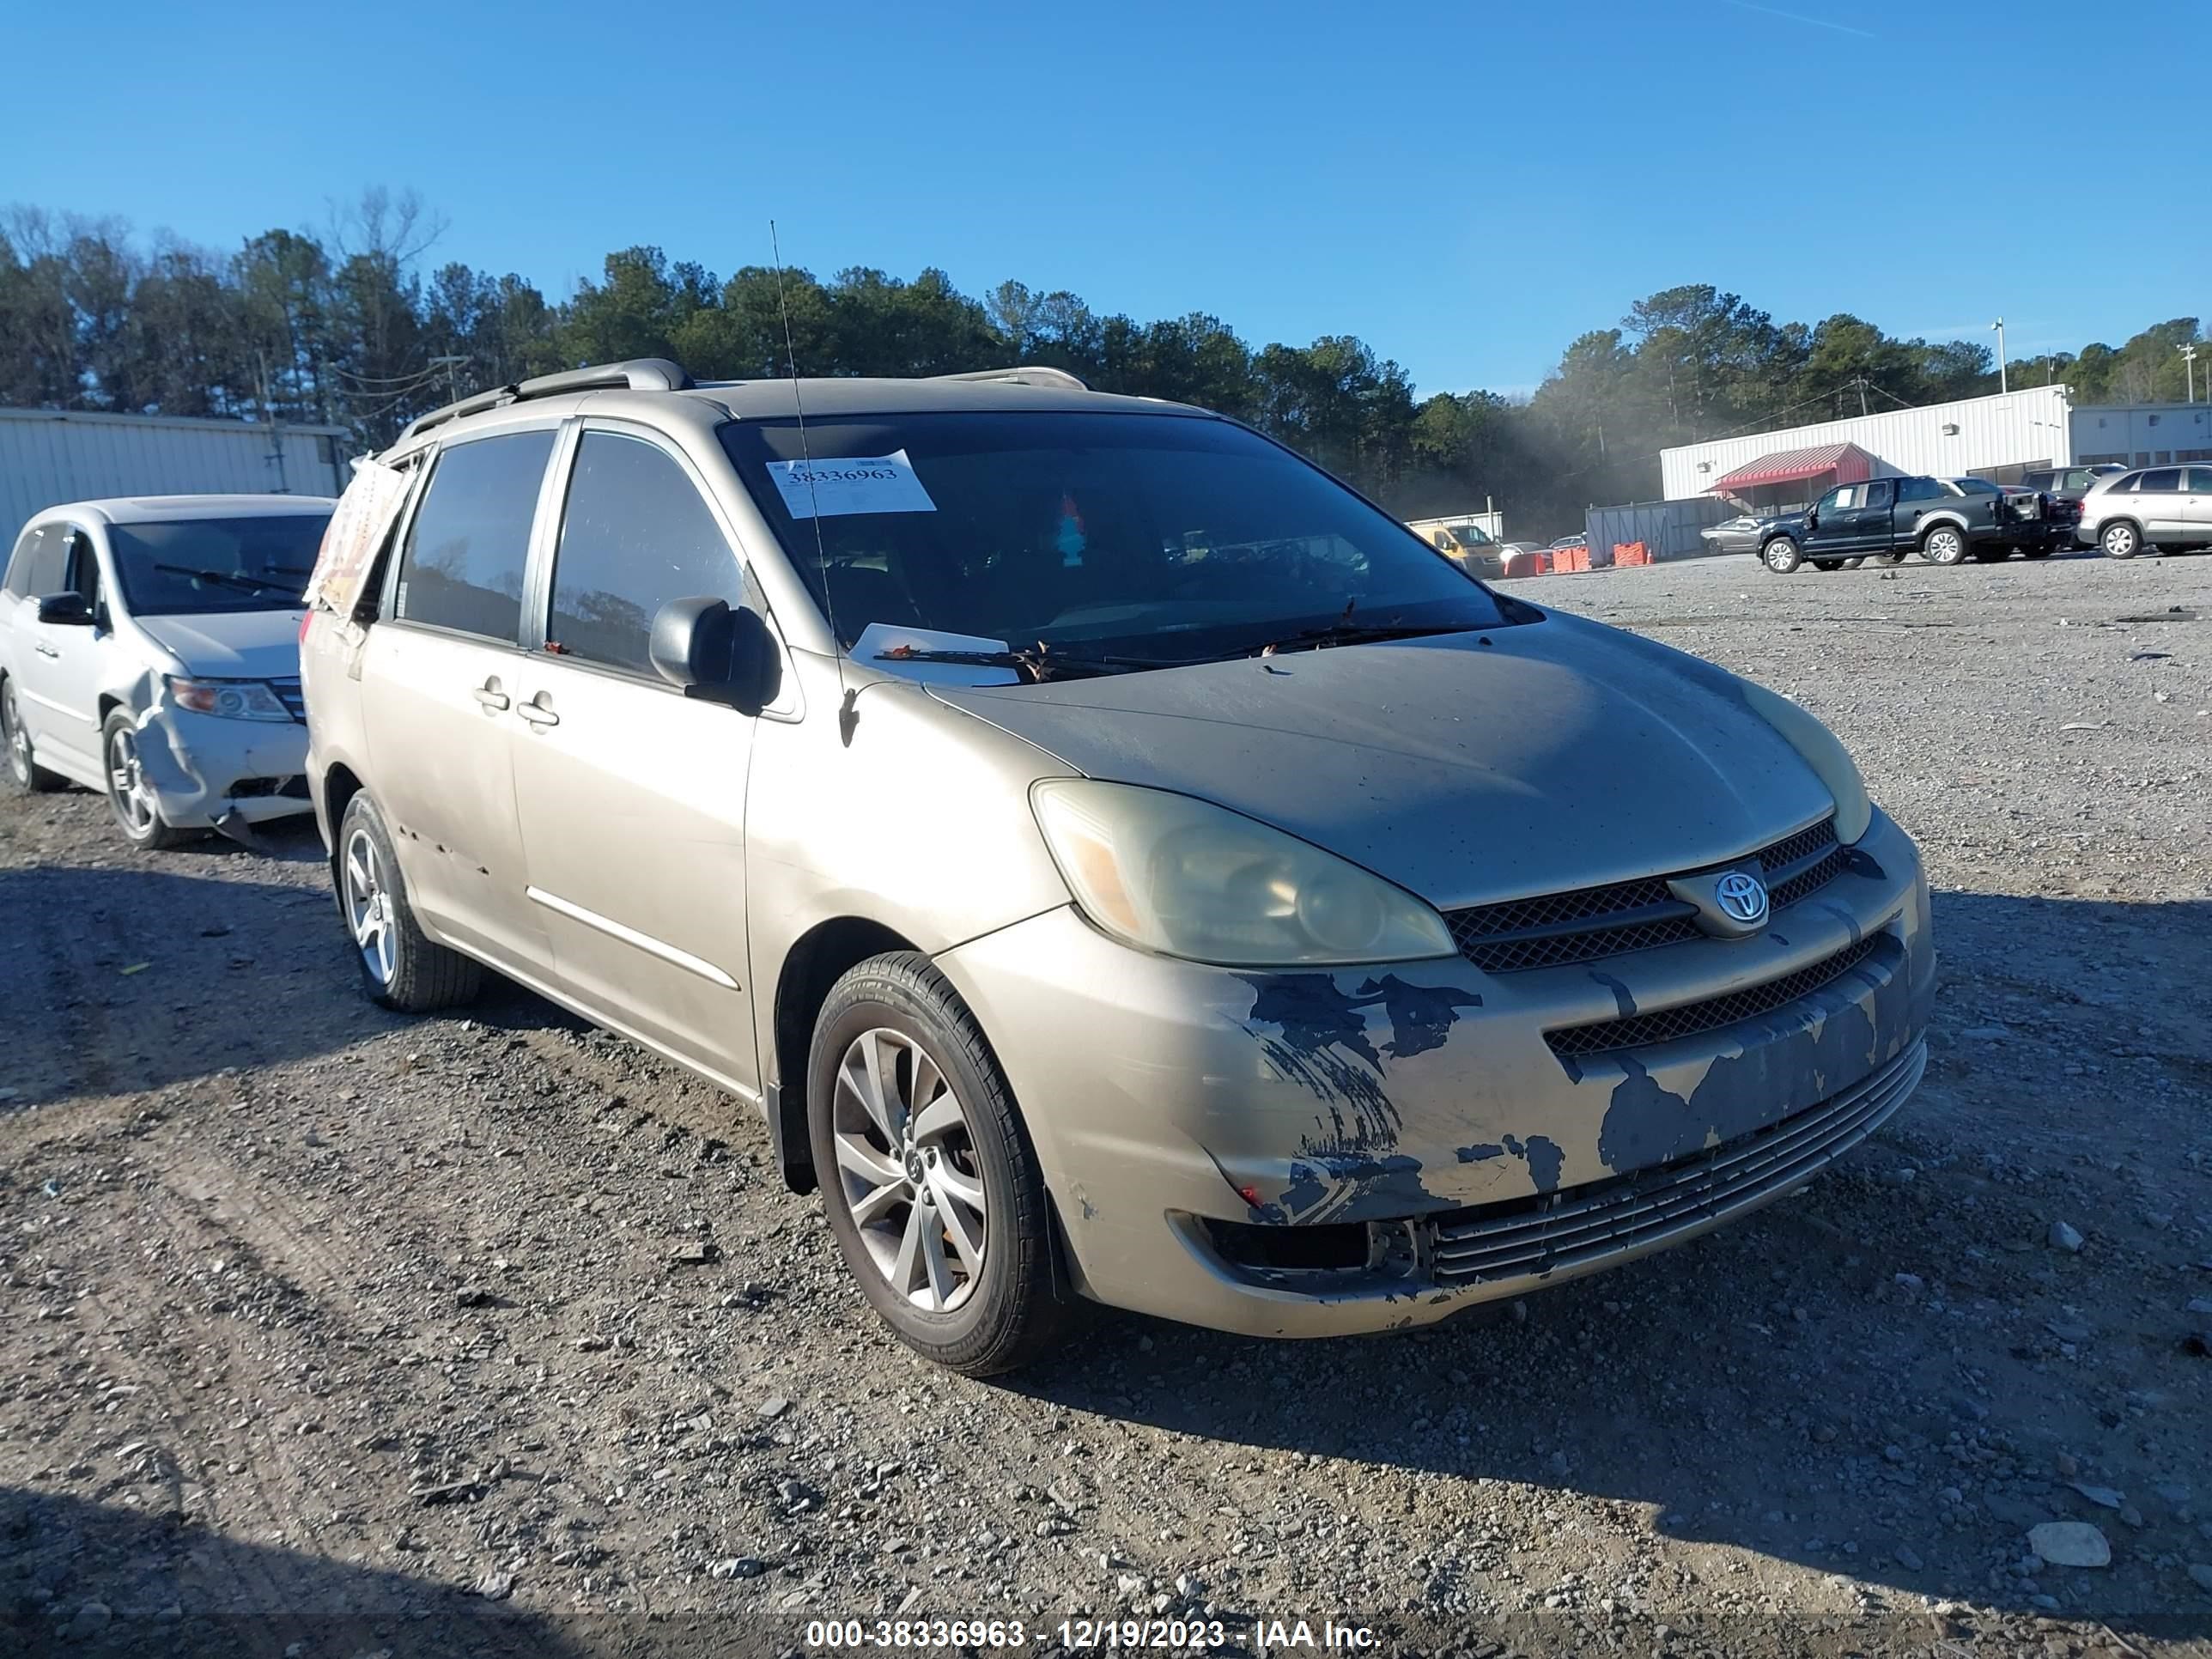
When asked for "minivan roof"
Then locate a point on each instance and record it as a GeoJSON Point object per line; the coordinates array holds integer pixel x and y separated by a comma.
{"type": "Point", "coordinates": [637, 385]}
{"type": "Point", "coordinates": [148, 509]}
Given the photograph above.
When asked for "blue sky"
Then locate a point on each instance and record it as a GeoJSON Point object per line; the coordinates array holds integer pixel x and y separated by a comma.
{"type": "Point", "coordinates": [1465, 187]}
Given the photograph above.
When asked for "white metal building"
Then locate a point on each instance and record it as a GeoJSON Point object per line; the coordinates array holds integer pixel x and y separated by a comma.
{"type": "Point", "coordinates": [49, 455]}
{"type": "Point", "coordinates": [1945, 440]}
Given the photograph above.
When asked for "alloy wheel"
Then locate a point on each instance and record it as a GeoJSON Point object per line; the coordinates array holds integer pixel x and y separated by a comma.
{"type": "Point", "coordinates": [127, 788]}
{"type": "Point", "coordinates": [908, 1170]}
{"type": "Point", "coordinates": [19, 740]}
{"type": "Point", "coordinates": [368, 906]}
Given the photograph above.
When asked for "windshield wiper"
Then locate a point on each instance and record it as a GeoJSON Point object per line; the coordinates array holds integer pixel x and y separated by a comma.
{"type": "Point", "coordinates": [1352, 632]}
{"type": "Point", "coordinates": [1041, 664]}
{"type": "Point", "coordinates": [231, 579]}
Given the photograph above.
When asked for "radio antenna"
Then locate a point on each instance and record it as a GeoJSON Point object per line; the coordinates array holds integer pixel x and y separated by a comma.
{"type": "Point", "coordinates": [848, 717]}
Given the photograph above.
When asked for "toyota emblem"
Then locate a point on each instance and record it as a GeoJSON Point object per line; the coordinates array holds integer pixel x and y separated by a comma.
{"type": "Point", "coordinates": [1741, 897]}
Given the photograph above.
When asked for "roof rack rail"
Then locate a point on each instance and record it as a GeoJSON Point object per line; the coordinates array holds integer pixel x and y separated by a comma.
{"type": "Point", "coordinates": [1022, 375]}
{"type": "Point", "coordinates": [637, 374]}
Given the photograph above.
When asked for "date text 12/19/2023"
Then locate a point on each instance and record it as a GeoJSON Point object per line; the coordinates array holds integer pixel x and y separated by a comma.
{"type": "Point", "coordinates": [1086, 1635]}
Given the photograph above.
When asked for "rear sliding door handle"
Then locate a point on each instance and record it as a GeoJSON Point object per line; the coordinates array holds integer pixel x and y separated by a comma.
{"type": "Point", "coordinates": [537, 713]}
{"type": "Point", "coordinates": [45, 650]}
{"type": "Point", "coordinates": [490, 695]}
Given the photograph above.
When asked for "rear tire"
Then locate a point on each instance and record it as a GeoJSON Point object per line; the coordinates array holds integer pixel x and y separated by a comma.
{"type": "Point", "coordinates": [910, 1122]}
{"type": "Point", "coordinates": [25, 776]}
{"type": "Point", "coordinates": [1946, 544]}
{"type": "Point", "coordinates": [129, 797]}
{"type": "Point", "coordinates": [1889, 558]}
{"type": "Point", "coordinates": [1782, 556]}
{"type": "Point", "coordinates": [401, 968]}
{"type": "Point", "coordinates": [2120, 540]}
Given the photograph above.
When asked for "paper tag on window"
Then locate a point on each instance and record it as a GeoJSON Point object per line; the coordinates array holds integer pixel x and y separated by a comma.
{"type": "Point", "coordinates": [860, 484]}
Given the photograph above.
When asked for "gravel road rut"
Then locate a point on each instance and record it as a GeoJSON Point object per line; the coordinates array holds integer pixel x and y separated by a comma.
{"type": "Point", "coordinates": [328, 1333]}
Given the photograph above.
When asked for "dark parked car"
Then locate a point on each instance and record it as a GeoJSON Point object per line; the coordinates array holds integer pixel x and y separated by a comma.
{"type": "Point", "coordinates": [2068, 483]}
{"type": "Point", "coordinates": [1942, 521]}
{"type": "Point", "coordinates": [1741, 534]}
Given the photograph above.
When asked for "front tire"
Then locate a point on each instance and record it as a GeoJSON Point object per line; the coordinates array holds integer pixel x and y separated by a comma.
{"type": "Point", "coordinates": [401, 968]}
{"type": "Point", "coordinates": [25, 776]}
{"type": "Point", "coordinates": [1946, 544]}
{"type": "Point", "coordinates": [1782, 556]}
{"type": "Point", "coordinates": [932, 1188]}
{"type": "Point", "coordinates": [2121, 540]}
{"type": "Point", "coordinates": [137, 809]}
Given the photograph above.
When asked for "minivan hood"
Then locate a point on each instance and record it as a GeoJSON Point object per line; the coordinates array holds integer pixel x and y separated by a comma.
{"type": "Point", "coordinates": [243, 645]}
{"type": "Point", "coordinates": [1468, 769]}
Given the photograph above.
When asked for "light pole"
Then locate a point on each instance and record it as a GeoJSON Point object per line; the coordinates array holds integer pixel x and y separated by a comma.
{"type": "Point", "coordinates": [2003, 387]}
{"type": "Point", "coordinates": [2188, 361]}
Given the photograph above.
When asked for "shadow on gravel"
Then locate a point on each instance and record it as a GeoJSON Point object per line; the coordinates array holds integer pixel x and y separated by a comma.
{"type": "Point", "coordinates": [1777, 1387]}
{"type": "Point", "coordinates": [90, 1578]}
{"type": "Point", "coordinates": [137, 976]}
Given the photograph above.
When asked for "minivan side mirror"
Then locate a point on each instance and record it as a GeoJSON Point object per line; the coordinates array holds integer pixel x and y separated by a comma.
{"type": "Point", "coordinates": [717, 653]}
{"type": "Point", "coordinates": [65, 609]}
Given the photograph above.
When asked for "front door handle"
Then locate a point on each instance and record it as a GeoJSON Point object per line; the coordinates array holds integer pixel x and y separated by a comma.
{"type": "Point", "coordinates": [45, 650]}
{"type": "Point", "coordinates": [537, 713]}
{"type": "Point", "coordinates": [490, 695]}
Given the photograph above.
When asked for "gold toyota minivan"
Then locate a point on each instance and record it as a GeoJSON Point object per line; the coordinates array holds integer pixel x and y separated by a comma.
{"type": "Point", "coordinates": [1117, 860]}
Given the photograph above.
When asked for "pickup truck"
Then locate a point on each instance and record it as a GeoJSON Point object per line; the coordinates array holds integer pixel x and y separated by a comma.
{"type": "Point", "coordinates": [1884, 519]}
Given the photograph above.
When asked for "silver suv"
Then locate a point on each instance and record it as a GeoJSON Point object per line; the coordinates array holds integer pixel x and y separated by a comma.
{"type": "Point", "coordinates": [1071, 822]}
{"type": "Point", "coordinates": [2167, 508]}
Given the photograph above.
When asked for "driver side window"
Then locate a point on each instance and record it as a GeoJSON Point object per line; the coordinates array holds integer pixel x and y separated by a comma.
{"type": "Point", "coordinates": [84, 577]}
{"type": "Point", "coordinates": [1829, 502]}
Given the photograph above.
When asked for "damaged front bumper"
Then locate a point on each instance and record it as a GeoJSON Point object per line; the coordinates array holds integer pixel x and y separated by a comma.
{"type": "Point", "coordinates": [209, 772]}
{"type": "Point", "coordinates": [1313, 1153]}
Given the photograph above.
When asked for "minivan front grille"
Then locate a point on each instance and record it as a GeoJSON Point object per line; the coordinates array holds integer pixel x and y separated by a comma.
{"type": "Point", "coordinates": [289, 694]}
{"type": "Point", "coordinates": [1552, 1232]}
{"type": "Point", "coordinates": [1694, 1018]}
{"type": "Point", "coordinates": [1587, 923]}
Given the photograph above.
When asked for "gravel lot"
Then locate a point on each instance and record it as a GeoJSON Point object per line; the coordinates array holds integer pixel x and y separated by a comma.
{"type": "Point", "coordinates": [330, 1334]}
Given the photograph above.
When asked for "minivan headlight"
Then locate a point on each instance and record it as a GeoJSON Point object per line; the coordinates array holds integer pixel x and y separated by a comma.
{"type": "Point", "coordinates": [1187, 879]}
{"type": "Point", "coordinates": [1824, 753]}
{"type": "Point", "coordinates": [230, 700]}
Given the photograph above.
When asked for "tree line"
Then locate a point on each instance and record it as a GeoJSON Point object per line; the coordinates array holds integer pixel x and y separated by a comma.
{"type": "Point", "coordinates": [357, 327]}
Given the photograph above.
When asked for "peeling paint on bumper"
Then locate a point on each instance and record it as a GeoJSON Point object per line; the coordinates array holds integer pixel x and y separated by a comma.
{"type": "Point", "coordinates": [1407, 1090]}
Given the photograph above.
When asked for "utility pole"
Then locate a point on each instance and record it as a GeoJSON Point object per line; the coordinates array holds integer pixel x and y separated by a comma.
{"type": "Point", "coordinates": [2003, 385]}
{"type": "Point", "coordinates": [452, 386]}
{"type": "Point", "coordinates": [1859, 380]}
{"type": "Point", "coordinates": [2189, 360]}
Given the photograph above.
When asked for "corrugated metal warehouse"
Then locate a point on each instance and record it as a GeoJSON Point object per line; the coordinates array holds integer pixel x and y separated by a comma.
{"type": "Point", "coordinates": [49, 455]}
{"type": "Point", "coordinates": [1947, 439]}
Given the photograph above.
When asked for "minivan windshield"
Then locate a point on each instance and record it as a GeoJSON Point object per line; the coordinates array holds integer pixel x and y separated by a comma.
{"type": "Point", "coordinates": [1147, 538]}
{"type": "Point", "coordinates": [187, 567]}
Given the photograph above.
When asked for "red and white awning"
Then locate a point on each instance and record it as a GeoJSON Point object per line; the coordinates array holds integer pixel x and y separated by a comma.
{"type": "Point", "coordinates": [1850, 464]}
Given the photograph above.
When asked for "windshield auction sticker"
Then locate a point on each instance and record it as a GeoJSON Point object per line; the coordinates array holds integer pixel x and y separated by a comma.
{"type": "Point", "coordinates": [832, 488]}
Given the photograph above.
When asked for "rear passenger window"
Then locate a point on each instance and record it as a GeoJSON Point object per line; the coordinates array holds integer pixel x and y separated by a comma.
{"type": "Point", "coordinates": [463, 564]}
{"type": "Point", "coordinates": [1919, 490]}
{"type": "Point", "coordinates": [634, 535]}
{"type": "Point", "coordinates": [36, 569]}
{"type": "Point", "coordinates": [2161, 479]}
{"type": "Point", "coordinates": [2200, 480]}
